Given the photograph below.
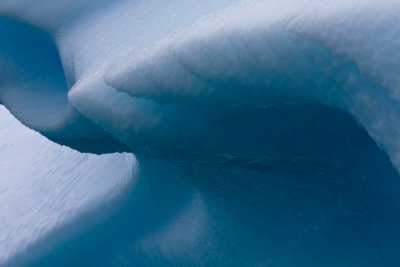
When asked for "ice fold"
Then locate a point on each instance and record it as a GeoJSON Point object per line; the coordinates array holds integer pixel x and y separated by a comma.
{"type": "Point", "coordinates": [135, 68]}
{"type": "Point", "coordinates": [195, 81]}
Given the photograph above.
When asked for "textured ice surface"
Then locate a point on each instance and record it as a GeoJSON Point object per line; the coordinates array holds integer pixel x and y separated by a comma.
{"type": "Point", "coordinates": [48, 191]}
{"type": "Point", "coordinates": [224, 95]}
{"type": "Point", "coordinates": [331, 199]}
{"type": "Point", "coordinates": [146, 71]}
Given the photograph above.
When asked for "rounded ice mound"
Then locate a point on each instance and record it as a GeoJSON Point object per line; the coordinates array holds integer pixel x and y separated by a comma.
{"type": "Point", "coordinates": [50, 193]}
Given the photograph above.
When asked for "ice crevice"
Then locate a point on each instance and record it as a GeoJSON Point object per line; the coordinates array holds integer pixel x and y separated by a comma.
{"type": "Point", "coordinates": [34, 87]}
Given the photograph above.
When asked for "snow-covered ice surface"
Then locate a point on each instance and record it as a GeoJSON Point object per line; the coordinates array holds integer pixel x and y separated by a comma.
{"type": "Point", "coordinates": [267, 132]}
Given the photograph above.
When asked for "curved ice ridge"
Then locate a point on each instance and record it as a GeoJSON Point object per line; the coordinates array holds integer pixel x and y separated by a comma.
{"type": "Point", "coordinates": [47, 191]}
{"type": "Point", "coordinates": [158, 76]}
{"type": "Point", "coordinates": [201, 81]}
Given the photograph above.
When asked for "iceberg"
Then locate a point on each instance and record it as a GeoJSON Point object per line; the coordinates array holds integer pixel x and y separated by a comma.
{"type": "Point", "coordinates": [212, 133]}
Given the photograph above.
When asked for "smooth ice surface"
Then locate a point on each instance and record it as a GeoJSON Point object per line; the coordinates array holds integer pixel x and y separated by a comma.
{"type": "Point", "coordinates": [252, 120]}
{"type": "Point", "coordinates": [48, 191]}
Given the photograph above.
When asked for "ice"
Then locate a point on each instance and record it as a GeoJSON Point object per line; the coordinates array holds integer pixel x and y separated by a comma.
{"type": "Point", "coordinates": [204, 92]}
{"type": "Point", "coordinates": [142, 72]}
{"type": "Point", "coordinates": [50, 193]}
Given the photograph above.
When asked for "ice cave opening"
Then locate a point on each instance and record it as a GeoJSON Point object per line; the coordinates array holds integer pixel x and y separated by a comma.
{"type": "Point", "coordinates": [323, 194]}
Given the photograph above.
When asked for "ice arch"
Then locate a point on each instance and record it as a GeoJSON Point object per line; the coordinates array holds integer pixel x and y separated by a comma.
{"type": "Point", "coordinates": [168, 76]}
{"type": "Point", "coordinates": [240, 105]}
